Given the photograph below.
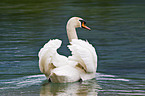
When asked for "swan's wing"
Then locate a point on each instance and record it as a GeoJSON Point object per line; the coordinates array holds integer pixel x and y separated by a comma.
{"type": "Point", "coordinates": [49, 58]}
{"type": "Point", "coordinates": [83, 53]}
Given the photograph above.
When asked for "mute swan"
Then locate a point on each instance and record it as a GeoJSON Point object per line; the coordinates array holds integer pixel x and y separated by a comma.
{"type": "Point", "coordinates": [81, 65]}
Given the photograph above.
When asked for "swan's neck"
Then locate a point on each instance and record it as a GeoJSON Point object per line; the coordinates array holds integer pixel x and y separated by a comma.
{"type": "Point", "coordinates": [71, 32]}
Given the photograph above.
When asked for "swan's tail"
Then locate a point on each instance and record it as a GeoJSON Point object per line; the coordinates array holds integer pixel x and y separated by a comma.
{"type": "Point", "coordinates": [65, 74]}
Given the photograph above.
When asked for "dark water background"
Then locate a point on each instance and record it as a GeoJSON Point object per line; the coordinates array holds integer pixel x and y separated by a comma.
{"type": "Point", "coordinates": [118, 34]}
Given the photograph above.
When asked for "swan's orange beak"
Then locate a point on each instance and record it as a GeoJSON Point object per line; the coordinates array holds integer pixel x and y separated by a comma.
{"type": "Point", "coordinates": [84, 26]}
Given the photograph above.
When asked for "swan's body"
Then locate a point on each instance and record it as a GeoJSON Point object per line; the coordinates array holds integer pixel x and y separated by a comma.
{"type": "Point", "coordinates": [81, 65]}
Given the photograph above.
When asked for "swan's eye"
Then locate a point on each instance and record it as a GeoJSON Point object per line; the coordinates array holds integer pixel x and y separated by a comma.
{"type": "Point", "coordinates": [82, 21]}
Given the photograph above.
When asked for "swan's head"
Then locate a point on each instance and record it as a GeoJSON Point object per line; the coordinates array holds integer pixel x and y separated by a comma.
{"type": "Point", "coordinates": [77, 22]}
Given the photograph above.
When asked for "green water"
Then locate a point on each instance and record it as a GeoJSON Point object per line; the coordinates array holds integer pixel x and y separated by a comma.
{"type": "Point", "coordinates": [118, 34]}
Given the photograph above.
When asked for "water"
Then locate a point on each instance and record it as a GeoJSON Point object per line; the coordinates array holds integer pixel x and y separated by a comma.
{"type": "Point", "coordinates": [118, 34]}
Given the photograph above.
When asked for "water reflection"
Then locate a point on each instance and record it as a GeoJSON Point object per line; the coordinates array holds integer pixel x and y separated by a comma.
{"type": "Point", "coordinates": [70, 89]}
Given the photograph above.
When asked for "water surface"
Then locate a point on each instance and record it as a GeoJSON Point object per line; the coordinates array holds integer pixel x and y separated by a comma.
{"type": "Point", "coordinates": [118, 34]}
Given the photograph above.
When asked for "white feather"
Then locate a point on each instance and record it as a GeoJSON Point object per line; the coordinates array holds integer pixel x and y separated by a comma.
{"type": "Point", "coordinates": [83, 53]}
{"type": "Point", "coordinates": [49, 58]}
{"type": "Point", "coordinates": [65, 74]}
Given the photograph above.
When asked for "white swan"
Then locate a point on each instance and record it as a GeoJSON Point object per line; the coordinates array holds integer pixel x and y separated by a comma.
{"type": "Point", "coordinates": [81, 65]}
